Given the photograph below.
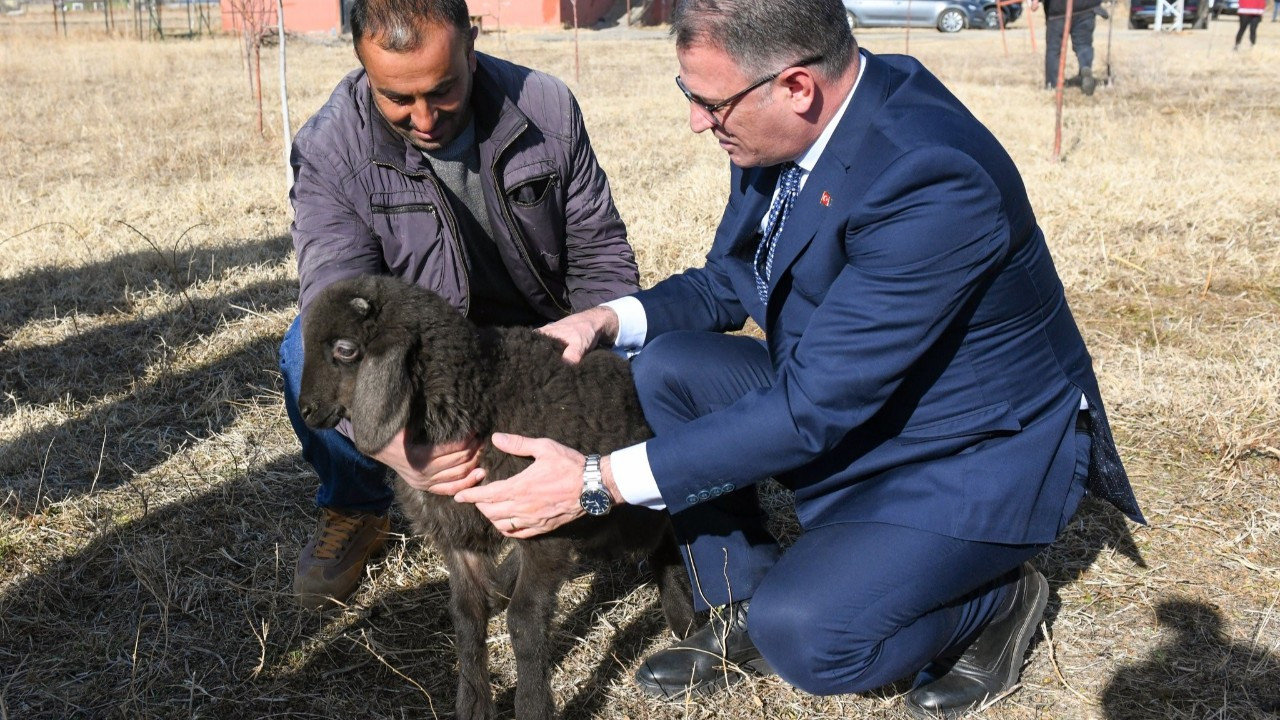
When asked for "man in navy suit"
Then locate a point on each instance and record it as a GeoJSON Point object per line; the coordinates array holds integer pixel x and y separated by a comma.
{"type": "Point", "coordinates": [922, 389]}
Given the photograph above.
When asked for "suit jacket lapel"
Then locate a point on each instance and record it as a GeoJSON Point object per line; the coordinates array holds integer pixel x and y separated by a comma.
{"type": "Point", "coordinates": [755, 203]}
{"type": "Point", "coordinates": [829, 175]}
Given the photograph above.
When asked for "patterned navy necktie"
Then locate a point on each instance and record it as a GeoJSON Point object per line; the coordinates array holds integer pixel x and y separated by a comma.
{"type": "Point", "coordinates": [788, 188]}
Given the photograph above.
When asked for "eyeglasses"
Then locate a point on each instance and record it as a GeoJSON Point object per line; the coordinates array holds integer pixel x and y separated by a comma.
{"type": "Point", "coordinates": [711, 109]}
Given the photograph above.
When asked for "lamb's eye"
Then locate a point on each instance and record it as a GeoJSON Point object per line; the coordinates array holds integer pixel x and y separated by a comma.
{"type": "Point", "coordinates": [346, 351]}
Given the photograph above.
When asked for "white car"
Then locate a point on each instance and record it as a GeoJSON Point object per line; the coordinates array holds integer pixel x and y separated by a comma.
{"type": "Point", "coordinates": [946, 15]}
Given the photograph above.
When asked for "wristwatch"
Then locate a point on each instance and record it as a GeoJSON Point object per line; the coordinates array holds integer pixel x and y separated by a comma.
{"type": "Point", "coordinates": [595, 498]}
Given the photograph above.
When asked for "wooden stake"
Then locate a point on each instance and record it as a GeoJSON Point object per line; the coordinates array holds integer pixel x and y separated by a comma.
{"type": "Point", "coordinates": [1031, 29]}
{"type": "Point", "coordinates": [906, 48]}
{"type": "Point", "coordinates": [287, 133]}
{"type": "Point", "coordinates": [574, 3]}
{"type": "Point", "coordinates": [1062, 70]}
{"type": "Point", "coordinates": [1000, 20]}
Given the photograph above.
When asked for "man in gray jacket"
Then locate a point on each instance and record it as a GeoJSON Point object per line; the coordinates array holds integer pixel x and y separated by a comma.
{"type": "Point", "coordinates": [462, 173]}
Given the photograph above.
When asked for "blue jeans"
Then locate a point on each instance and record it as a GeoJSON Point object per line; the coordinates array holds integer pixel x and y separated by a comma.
{"type": "Point", "coordinates": [348, 479]}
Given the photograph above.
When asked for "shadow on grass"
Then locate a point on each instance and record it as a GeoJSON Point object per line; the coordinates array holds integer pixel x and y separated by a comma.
{"type": "Point", "coordinates": [112, 285]}
{"type": "Point", "coordinates": [107, 359]}
{"type": "Point", "coordinates": [124, 402]}
{"type": "Point", "coordinates": [1195, 672]}
{"type": "Point", "coordinates": [401, 648]}
{"type": "Point", "coordinates": [1097, 528]}
{"type": "Point", "coordinates": [164, 615]}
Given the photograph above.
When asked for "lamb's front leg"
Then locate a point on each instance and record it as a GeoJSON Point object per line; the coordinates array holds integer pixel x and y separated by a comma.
{"type": "Point", "coordinates": [470, 577]}
{"type": "Point", "coordinates": [544, 565]}
{"type": "Point", "coordinates": [674, 588]}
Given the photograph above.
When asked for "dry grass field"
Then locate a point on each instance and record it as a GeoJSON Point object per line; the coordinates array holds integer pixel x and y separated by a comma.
{"type": "Point", "coordinates": [152, 501]}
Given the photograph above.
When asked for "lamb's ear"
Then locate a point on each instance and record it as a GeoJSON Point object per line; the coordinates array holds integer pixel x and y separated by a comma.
{"type": "Point", "coordinates": [380, 408]}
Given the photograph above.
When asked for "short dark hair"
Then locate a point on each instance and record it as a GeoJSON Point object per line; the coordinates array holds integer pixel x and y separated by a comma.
{"type": "Point", "coordinates": [398, 24]}
{"type": "Point", "coordinates": [762, 36]}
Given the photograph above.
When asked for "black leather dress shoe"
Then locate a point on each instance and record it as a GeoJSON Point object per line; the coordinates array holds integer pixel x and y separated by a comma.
{"type": "Point", "coordinates": [990, 666]}
{"type": "Point", "coordinates": [716, 655]}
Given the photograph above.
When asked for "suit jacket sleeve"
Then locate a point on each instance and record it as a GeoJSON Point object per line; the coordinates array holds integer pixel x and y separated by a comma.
{"type": "Point", "coordinates": [919, 243]}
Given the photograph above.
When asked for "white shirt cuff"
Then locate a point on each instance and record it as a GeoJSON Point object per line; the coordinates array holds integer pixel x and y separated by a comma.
{"type": "Point", "coordinates": [633, 324]}
{"type": "Point", "coordinates": [634, 478]}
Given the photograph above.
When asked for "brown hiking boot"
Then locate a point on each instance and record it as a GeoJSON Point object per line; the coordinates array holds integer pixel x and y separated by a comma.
{"type": "Point", "coordinates": [331, 564]}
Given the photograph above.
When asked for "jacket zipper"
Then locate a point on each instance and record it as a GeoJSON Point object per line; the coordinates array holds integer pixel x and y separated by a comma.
{"type": "Point", "coordinates": [516, 236]}
{"type": "Point", "coordinates": [398, 209]}
{"type": "Point", "coordinates": [447, 213]}
{"type": "Point", "coordinates": [552, 180]}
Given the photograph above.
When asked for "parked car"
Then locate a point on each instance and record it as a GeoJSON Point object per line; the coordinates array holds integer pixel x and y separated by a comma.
{"type": "Point", "coordinates": [1142, 14]}
{"type": "Point", "coordinates": [946, 15]}
{"type": "Point", "coordinates": [1224, 7]}
{"type": "Point", "coordinates": [1011, 13]}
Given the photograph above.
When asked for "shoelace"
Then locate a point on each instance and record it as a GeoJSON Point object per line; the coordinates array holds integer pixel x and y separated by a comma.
{"type": "Point", "coordinates": [337, 533]}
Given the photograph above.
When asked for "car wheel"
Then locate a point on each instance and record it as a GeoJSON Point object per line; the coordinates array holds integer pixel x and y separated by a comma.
{"type": "Point", "coordinates": [1137, 25]}
{"type": "Point", "coordinates": [951, 20]}
{"type": "Point", "coordinates": [993, 19]}
{"type": "Point", "coordinates": [853, 20]}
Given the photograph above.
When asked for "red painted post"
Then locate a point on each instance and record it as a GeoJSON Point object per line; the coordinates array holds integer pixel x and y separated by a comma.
{"type": "Point", "coordinates": [574, 3]}
{"type": "Point", "coordinates": [1031, 29]}
{"type": "Point", "coordinates": [1062, 71]}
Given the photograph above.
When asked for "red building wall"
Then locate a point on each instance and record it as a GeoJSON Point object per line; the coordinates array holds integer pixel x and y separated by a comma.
{"type": "Point", "coordinates": [299, 15]}
{"type": "Point", "coordinates": [326, 15]}
{"type": "Point", "coordinates": [537, 13]}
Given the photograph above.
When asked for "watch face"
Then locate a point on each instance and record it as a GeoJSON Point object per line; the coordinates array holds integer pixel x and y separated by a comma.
{"type": "Point", "coordinates": [596, 502]}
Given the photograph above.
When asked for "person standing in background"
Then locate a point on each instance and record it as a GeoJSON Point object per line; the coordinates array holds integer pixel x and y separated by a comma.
{"type": "Point", "coordinates": [1250, 13]}
{"type": "Point", "coordinates": [1084, 18]}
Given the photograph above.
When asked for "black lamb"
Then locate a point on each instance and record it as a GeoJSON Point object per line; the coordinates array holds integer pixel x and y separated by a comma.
{"type": "Point", "coordinates": [389, 355]}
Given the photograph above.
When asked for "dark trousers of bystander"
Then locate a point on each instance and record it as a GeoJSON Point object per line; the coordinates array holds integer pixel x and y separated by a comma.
{"type": "Point", "coordinates": [1250, 23]}
{"type": "Point", "coordinates": [1082, 26]}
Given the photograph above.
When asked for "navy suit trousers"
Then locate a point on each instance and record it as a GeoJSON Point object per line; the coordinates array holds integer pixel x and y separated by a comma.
{"type": "Point", "coordinates": [847, 607]}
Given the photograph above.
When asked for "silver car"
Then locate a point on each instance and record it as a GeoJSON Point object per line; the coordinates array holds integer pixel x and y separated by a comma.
{"type": "Point", "coordinates": [947, 15]}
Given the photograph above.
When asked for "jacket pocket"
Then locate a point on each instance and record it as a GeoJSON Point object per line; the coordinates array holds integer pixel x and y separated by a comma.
{"type": "Point", "coordinates": [537, 206]}
{"type": "Point", "coordinates": [408, 226]}
{"type": "Point", "coordinates": [534, 191]}
{"type": "Point", "coordinates": [398, 212]}
{"type": "Point", "coordinates": [997, 419]}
